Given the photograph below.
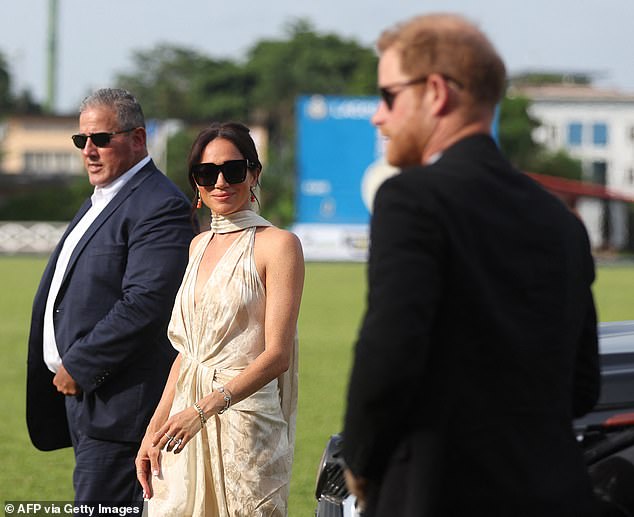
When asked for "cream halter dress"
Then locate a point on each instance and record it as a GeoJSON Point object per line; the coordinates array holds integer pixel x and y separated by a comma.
{"type": "Point", "coordinates": [240, 463]}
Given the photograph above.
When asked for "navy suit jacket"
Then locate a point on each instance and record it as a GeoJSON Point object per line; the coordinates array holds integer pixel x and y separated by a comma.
{"type": "Point", "coordinates": [478, 346]}
{"type": "Point", "coordinates": [111, 314]}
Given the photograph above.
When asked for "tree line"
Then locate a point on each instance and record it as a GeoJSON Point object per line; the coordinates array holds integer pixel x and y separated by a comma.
{"type": "Point", "coordinates": [174, 82]}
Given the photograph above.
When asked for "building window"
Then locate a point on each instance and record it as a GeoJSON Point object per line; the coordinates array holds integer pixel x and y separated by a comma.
{"type": "Point", "coordinates": [575, 133]}
{"type": "Point", "coordinates": [49, 163]}
{"type": "Point", "coordinates": [599, 172]}
{"type": "Point", "coordinates": [600, 134]}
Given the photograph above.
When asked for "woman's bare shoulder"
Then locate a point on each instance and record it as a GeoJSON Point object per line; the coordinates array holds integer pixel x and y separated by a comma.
{"type": "Point", "coordinates": [196, 240]}
{"type": "Point", "coordinates": [276, 238]}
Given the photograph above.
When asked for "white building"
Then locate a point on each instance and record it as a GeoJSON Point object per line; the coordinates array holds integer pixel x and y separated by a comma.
{"type": "Point", "coordinates": [595, 126]}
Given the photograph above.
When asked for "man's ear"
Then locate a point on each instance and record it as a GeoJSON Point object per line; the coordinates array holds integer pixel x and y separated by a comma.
{"type": "Point", "coordinates": [139, 137]}
{"type": "Point", "coordinates": [440, 91]}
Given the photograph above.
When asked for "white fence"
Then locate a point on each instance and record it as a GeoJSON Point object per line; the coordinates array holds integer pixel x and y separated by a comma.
{"type": "Point", "coordinates": [29, 237]}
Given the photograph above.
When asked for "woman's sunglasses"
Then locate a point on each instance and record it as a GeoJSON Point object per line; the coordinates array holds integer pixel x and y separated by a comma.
{"type": "Point", "coordinates": [233, 171]}
{"type": "Point", "coordinates": [99, 139]}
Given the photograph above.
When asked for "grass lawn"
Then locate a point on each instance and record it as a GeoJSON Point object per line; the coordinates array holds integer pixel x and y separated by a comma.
{"type": "Point", "coordinates": [331, 310]}
{"type": "Point", "coordinates": [614, 293]}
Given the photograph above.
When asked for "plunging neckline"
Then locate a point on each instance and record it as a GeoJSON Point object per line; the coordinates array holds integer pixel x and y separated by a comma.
{"type": "Point", "coordinates": [218, 341]}
{"type": "Point", "coordinates": [214, 269]}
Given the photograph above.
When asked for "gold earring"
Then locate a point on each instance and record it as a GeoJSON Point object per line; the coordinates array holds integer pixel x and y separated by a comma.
{"type": "Point", "coordinates": [199, 203]}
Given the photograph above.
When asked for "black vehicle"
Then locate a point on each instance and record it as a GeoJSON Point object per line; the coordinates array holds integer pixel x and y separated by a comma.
{"type": "Point", "coordinates": [606, 436]}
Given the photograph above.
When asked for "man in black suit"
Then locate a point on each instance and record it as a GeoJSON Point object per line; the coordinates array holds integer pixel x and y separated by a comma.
{"type": "Point", "coordinates": [479, 342]}
{"type": "Point", "coordinates": [98, 350]}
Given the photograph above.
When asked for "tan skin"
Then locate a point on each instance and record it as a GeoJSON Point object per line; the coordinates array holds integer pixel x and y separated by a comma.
{"type": "Point", "coordinates": [424, 120]}
{"type": "Point", "coordinates": [103, 165]}
{"type": "Point", "coordinates": [280, 265]}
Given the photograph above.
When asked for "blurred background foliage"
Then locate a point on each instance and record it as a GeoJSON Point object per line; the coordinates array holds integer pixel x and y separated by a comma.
{"type": "Point", "coordinates": [174, 82]}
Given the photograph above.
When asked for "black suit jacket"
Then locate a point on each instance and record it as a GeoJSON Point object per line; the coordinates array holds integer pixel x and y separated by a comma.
{"type": "Point", "coordinates": [111, 314]}
{"type": "Point", "coordinates": [478, 345]}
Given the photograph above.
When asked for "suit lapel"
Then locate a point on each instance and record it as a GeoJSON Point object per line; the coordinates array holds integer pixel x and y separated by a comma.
{"type": "Point", "coordinates": [107, 212]}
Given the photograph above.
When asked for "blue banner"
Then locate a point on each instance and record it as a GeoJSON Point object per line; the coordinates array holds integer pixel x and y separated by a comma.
{"type": "Point", "coordinates": [336, 145]}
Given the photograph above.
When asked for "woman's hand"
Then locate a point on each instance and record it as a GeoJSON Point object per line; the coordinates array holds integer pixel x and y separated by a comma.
{"type": "Point", "coordinates": [177, 431]}
{"type": "Point", "coordinates": [148, 463]}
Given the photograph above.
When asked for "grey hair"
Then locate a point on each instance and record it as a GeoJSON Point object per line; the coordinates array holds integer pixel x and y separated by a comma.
{"type": "Point", "coordinates": [127, 108]}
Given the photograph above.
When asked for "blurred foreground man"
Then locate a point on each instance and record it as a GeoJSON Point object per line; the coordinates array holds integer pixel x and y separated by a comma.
{"type": "Point", "coordinates": [98, 349]}
{"type": "Point", "coordinates": [479, 342]}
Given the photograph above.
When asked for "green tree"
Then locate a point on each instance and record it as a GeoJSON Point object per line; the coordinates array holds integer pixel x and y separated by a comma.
{"type": "Point", "coordinates": [175, 82]}
{"type": "Point", "coordinates": [516, 141]}
{"type": "Point", "coordinates": [541, 78]}
{"type": "Point", "coordinates": [515, 131]}
{"type": "Point", "coordinates": [23, 103]}
{"type": "Point", "coordinates": [9, 103]}
{"type": "Point", "coordinates": [55, 199]}
{"type": "Point", "coordinates": [5, 86]}
{"type": "Point", "coordinates": [558, 163]}
{"type": "Point", "coordinates": [305, 62]}
{"type": "Point", "coordinates": [178, 148]}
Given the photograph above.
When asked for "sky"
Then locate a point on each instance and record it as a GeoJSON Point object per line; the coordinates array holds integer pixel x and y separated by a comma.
{"type": "Point", "coordinates": [96, 40]}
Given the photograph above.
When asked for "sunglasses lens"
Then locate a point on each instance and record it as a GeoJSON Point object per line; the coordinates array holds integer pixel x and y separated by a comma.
{"type": "Point", "coordinates": [79, 141]}
{"type": "Point", "coordinates": [388, 97]}
{"type": "Point", "coordinates": [206, 174]}
{"type": "Point", "coordinates": [100, 139]}
{"type": "Point", "coordinates": [234, 171]}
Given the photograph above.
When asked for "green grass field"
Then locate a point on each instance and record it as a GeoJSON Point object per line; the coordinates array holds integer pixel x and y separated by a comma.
{"type": "Point", "coordinates": [331, 310]}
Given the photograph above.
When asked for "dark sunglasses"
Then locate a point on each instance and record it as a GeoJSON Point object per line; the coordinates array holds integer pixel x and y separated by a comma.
{"type": "Point", "coordinates": [233, 171]}
{"type": "Point", "coordinates": [389, 96]}
{"type": "Point", "coordinates": [99, 139]}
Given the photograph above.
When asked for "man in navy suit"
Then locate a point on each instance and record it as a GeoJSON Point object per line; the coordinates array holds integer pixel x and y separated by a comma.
{"type": "Point", "coordinates": [98, 350]}
{"type": "Point", "coordinates": [479, 342]}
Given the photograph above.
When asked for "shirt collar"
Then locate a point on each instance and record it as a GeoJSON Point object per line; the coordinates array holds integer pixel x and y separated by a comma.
{"type": "Point", "coordinates": [103, 195]}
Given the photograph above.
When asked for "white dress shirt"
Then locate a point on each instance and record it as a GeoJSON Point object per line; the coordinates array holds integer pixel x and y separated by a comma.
{"type": "Point", "coordinates": [100, 199]}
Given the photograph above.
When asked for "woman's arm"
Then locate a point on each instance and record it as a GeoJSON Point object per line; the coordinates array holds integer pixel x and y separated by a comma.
{"type": "Point", "coordinates": [284, 280]}
{"type": "Point", "coordinates": [280, 255]}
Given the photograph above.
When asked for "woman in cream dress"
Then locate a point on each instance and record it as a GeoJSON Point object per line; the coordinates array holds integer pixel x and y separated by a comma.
{"type": "Point", "coordinates": [221, 440]}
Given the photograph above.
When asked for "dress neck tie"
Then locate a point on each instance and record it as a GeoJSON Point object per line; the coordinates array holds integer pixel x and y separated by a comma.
{"type": "Point", "coordinates": [236, 221]}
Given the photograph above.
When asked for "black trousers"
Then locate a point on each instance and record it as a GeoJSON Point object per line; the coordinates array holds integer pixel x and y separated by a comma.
{"type": "Point", "coordinates": [104, 472]}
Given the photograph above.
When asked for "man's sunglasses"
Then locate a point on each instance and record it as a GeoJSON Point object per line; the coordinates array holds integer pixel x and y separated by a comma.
{"type": "Point", "coordinates": [99, 139]}
{"type": "Point", "coordinates": [233, 171]}
{"type": "Point", "coordinates": [389, 96]}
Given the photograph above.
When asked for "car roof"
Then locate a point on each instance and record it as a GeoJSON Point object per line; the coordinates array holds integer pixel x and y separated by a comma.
{"type": "Point", "coordinates": [616, 337]}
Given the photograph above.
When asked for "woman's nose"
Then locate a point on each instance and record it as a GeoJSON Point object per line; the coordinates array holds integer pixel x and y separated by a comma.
{"type": "Point", "coordinates": [221, 180]}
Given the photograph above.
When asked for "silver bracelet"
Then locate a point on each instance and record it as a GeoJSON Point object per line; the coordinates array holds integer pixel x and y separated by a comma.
{"type": "Point", "coordinates": [201, 414]}
{"type": "Point", "coordinates": [227, 398]}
